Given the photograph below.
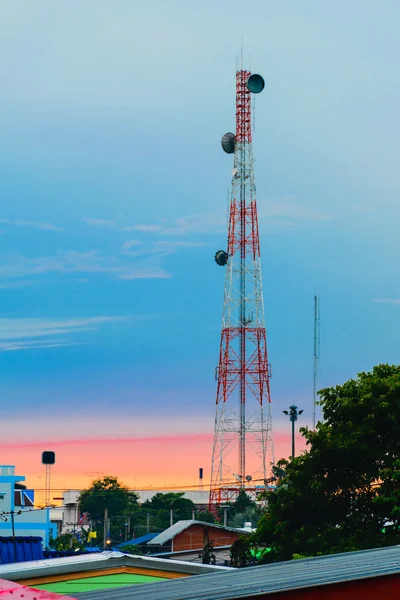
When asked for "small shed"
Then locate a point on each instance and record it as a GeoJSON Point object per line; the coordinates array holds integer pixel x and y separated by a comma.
{"type": "Point", "coordinates": [194, 535]}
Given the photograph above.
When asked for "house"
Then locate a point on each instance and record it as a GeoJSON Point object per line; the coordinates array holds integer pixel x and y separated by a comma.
{"type": "Point", "coordinates": [19, 517]}
{"type": "Point", "coordinates": [193, 535]}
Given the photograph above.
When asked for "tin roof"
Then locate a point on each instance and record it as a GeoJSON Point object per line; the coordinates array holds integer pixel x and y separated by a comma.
{"type": "Point", "coordinates": [143, 539]}
{"type": "Point", "coordinates": [265, 579]}
{"type": "Point", "coordinates": [96, 562]}
{"type": "Point", "coordinates": [179, 526]}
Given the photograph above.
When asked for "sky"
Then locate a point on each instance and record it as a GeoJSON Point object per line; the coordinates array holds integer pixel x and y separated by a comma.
{"type": "Point", "coordinates": [113, 197]}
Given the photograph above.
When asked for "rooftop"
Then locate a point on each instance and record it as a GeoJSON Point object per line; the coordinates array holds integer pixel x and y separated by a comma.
{"type": "Point", "coordinates": [265, 579]}
{"type": "Point", "coordinates": [58, 569]}
{"type": "Point", "coordinates": [179, 526]}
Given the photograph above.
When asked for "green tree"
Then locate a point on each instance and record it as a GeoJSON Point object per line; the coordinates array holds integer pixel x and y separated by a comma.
{"type": "Point", "coordinates": [108, 493]}
{"type": "Point", "coordinates": [65, 542]}
{"type": "Point", "coordinates": [161, 504]}
{"type": "Point", "coordinates": [243, 502]}
{"type": "Point", "coordinates": [205, 516]}
{"type": "Point", "coordinates": [338, 495]}
{"type": "Point", "coordinates": [250, 515]}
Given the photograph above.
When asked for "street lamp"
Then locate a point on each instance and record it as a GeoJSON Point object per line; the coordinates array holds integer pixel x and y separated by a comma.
{"type": "Point", "coordinates": [293, 413]}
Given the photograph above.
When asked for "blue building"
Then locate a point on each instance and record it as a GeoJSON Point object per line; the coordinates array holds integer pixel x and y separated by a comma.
{"type": "Point", "coordinates": [15, 499]}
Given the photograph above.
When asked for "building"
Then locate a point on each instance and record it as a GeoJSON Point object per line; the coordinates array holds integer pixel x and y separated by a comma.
{"type": "Point", "coordinates": [17, 506]}
{"type": "Point", "coordinates": [364, 575]}
{"type": "Point", "coordinates": [94, 572]}
{"type": "Point", "coordinates": [193, 535]}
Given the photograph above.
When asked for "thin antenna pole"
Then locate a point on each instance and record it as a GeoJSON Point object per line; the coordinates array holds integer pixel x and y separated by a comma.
{"type": "Point", "coordinates": [316, 354]}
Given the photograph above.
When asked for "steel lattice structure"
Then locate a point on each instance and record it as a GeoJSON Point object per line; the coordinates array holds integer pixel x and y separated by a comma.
{"type": "Point", "coordinates": [243, 446]}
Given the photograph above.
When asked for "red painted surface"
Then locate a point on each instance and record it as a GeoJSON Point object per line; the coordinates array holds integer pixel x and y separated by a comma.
{"type": "Point", "coordinates": [193, 538]}
{"type": "Point", "coordinates": [15, 591]}
{"type": "Point", "coordinates": [376, 588]}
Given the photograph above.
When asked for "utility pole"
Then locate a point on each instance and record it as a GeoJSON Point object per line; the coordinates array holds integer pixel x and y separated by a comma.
{"type": "Point", "coordinates": [171, 516]}
{"type": "Point", "coordinates": [105, 528]}
{"type": "Point", "coordinates": [13, 535]}
{"type": "Point", "coordinates": [148, 521]}
{"type": "Point", "coordinates": [316, 355]}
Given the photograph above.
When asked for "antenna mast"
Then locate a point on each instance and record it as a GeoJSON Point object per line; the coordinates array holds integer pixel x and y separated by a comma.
{"type": "Point", "coordinates": [316, 354]}
{"type": "Point", "coordinates": [243, 446]}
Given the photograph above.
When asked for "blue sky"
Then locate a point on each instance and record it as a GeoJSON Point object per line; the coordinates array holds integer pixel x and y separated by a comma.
{"type": "Point", "coordinates": [113, 193]}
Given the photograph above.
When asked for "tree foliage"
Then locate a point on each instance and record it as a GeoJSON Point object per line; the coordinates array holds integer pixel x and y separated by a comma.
{"type": "Point", "coordinates": [160, 505]}
{"type": "Point", "coordinates": [66, 542]}
{"type": "Point", "coordinates": [339, 494]}
{"type": "Point", "coordinates": [108, 493]}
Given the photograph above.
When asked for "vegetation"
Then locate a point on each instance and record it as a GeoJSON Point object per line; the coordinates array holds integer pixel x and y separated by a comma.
{"type": "Point", "coordinates": [132, 549]}
{"type": "Point", "coordinates": [343, 493]}
{"type": "Point", "coordinates": [106, 493]}
{"type": "Point", "coordinates": [66, 542]}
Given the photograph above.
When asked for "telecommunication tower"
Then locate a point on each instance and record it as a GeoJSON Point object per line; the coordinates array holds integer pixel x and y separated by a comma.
{"type": "Point", "coordinates": [243, 446]}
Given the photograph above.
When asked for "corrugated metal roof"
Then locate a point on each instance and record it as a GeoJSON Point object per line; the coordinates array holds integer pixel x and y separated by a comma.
{"type": "Point", "coordinates": [80, 560]}
{"type": "Point", "coordinates": [180, 526]}
{"type": "Point", "coordinates": [139, 540]}
{"type": "Point", "coordinates": [97, 562]}
{"type": "Point", "coordinates": [265, 579]}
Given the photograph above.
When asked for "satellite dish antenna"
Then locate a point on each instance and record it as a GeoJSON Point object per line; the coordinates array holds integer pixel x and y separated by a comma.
{"type": "Point", "coordinates": [237, 477]}
{"type": "Point", "coordinates": [255, 84]}
{"type": "Point", "coordinates": [248, 478]}
{"type": "Point", "coordinates": [228, 142]}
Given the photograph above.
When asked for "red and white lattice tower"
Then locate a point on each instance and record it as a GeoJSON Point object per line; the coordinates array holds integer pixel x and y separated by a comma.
{"type": "Point", "coordinates": [243, 446]}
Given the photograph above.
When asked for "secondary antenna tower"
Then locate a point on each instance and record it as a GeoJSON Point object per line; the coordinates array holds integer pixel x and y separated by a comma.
{"type": "Point", "coordinates": [243, 448]}
{"type": "Point", "coordinates": [316, 355]}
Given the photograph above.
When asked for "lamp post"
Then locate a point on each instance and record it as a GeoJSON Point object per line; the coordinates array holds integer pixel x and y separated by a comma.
{"type": "Point", "coordinates": [293, 413]}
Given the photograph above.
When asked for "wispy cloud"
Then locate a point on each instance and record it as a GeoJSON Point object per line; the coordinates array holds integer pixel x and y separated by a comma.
{"type": "Point", "coordinates": [120, 267]}
{"type": "Point", "coordinates": [144, 228]}
{"type": "Point", "coordinates": [202, 223]}
{"type": "Point", "coordinates": [288, 207]}
{"type": "Point", "coordinates": [127, 246]}
{"type": "Point", "coordinates": [19, 283]}
{"type": "Point", "coordinates": [100, 222]}
{"type": "Point", "coordinates": [26, 345]}
{"type": "Point", "coordinates": [287, 210]}
{"type": "Point", "coordinates": [387, 300]}
{"type": "Point", "coordinates": [13, 329]}
{"type": "Point", "coordinates": [31, 334]}
{"type": "Point", "coordinates": [35, 224]}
